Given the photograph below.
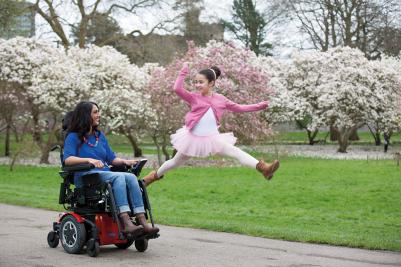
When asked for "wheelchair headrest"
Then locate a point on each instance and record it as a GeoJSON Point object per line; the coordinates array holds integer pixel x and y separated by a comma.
{"type": "Point", "coordinates": [67, 120]}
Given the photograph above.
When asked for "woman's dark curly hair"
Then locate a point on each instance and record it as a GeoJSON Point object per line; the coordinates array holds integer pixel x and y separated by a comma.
{"type": "Point", "coordinates": [81, 119]}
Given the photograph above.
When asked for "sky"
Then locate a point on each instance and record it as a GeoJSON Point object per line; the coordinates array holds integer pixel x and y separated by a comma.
{"type": "Point", "coordinates": [286, 39]}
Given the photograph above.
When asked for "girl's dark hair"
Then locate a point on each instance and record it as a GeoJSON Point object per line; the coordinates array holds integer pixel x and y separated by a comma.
{"type": "Point", "coordinates": [81, 119]}
{"type": "Point", "coordinates": [210, 73]}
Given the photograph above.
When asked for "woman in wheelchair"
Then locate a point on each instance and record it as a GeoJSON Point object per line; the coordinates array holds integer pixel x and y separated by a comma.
{"type": "Point", "coordinates": [84, 143]}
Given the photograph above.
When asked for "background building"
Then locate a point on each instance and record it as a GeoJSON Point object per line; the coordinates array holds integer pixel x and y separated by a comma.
{"type": "Point", "coordinates": [20, 21]}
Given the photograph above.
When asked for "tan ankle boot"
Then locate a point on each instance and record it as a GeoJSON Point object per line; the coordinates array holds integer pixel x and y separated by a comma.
{"type": "Point", "coordinates": [267, 169]}
{"type": "Point", "coordinates": [151, 177]}
{"type": "Point", "coordinates": [128, 227]}
{"type": "Point", "coordinates": [147, 228]}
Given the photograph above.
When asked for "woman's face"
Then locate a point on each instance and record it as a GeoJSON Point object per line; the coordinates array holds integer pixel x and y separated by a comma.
{"type": "Point", "coordinates": [95, 114]}
{"type": "Point", "coordinates": [202, 84]}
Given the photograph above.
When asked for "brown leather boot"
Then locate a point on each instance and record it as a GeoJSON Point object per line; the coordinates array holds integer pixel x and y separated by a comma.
{"type": "Point", "coordinates": [128, 227]}
{"type": "Point", "coordinates": [147, 228]}
{"type": "Point", "coordinates": [151, 177]}
{"type": "Point", "coordinates": [267, 169]}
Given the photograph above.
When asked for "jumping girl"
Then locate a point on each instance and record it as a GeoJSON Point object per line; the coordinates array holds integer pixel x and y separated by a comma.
{"type": "Point", "coordinates": [200, 136]}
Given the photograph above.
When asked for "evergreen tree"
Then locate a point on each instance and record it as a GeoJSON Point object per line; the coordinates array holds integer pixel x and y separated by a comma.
{"type": "Point", "coordinates": [249, 26]}
{"type": "Point", "coordinates": [101, 30]}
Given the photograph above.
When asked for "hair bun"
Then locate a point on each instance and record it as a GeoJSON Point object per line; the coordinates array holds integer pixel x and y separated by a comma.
{"type": "Point", "coordinates": [217, 71]}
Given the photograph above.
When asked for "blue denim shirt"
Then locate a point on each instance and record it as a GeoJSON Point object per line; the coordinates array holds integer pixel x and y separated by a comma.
{"type": "Point", "coordinates": [102, 151]}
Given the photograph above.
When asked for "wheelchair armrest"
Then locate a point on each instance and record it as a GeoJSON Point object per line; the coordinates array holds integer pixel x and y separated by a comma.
{"type": "Point", "coordinates": [78, 167]}
{"type": "Point", "coordinates": [119, 168]}
{"type": "Point", "coordinates": [135, 169]}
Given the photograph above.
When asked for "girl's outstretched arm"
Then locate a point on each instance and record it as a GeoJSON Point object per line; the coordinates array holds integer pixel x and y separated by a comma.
{"type": "Point", "coordinates": [234, 107]}
{"type": "Point", "coordinates": [179, 84]}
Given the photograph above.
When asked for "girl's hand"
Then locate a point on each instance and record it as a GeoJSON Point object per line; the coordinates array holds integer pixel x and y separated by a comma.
{"type": "Point", "coordinates": [265, 104]}
{"type": "Point", "coordinates": [95, 162]}
{"type": "Point", "coordinates": [185, 65]}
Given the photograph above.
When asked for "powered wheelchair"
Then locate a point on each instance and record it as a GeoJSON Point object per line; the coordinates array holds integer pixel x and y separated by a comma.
{"type": "Point", "coordinates": [91, 217]}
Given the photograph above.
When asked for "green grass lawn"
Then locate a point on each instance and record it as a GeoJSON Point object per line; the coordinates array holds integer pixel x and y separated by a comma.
{"type": "Point", "coordinates": [351, 203]}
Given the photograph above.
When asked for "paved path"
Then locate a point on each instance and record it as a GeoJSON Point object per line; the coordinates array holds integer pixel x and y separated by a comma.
{"type": "Point", "coordinates": [23, 242]}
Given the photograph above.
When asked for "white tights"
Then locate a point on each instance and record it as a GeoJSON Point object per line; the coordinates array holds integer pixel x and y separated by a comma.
{"type": "Point", "coordinates": [228, 150]}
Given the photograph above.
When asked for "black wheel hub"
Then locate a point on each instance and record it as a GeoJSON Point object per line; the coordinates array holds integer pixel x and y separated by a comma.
{"type": "Point", "coordinates": [70, 234]}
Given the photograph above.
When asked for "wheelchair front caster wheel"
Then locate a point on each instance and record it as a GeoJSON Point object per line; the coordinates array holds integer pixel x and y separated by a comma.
{"type": "Point", "coordinates": [92, 247]}
{"type": "Point", "coordinates": [141, 245]}
{"type": "Point", "coordinates": [125, 245]}
{"type": "Point", "coordinates": [52, 239]}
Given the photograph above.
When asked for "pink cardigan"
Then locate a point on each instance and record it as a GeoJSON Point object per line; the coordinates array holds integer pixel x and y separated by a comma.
{"type": "Point", "coordinates": [200, 104]}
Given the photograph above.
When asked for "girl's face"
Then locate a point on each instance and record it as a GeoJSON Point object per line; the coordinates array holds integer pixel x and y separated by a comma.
{"type": "Point", "coordinates": [95, 114]}
{"type": "Point", "coordinates": [202, 84]}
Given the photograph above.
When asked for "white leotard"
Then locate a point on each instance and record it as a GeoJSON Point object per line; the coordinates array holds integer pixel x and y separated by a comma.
{"type": "Point", "coordinates": [207, 125]}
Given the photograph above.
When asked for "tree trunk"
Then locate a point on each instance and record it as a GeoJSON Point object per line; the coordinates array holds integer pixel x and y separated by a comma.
{"type": "Point", "coordinates": [342, 146]}
{"type": "Point", "coordinates": [164, 149]}
{"type": "Point", "coordinates": [53, 20]}
{"type": "Point", "coordinates": [44, 157]}
{"type": "Point", "coordinates": [82, 31]}
{"type": "Point", "coordinates": [354, 135]}
{"type": "Point", "coordinates": [334, 135]}
{"type": "Point", "coordinates": [303, 124]}
{"type": "Point", "coordinates": [378, 140]}
{"type": "Point", "coordinates": [343, 138]}
{"type": "Point", "coordinates": [343, 143]}
{"type": "Point", "coordinates": [44, 146]}
{"type": "Point", "coordinates": [9, 124]}
{"type": "Point", "coordinates": [16, 135]}
{"type": "Point", "coordinates": [134, 144]}
{"type": "Point", "coordinates": [7, 141]}
{"type": "Point", "coordinates": [312, 136]}
{"type": "Point", "coordinates": [37, 138]}
{"type": "Point", "coordinates": [376, 136]}
{"type": "Point", "coordinates": [159, 156]}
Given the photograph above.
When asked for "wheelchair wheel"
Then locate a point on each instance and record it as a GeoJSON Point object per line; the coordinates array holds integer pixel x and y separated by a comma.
{"type": "Point", "coordinates": [52, 239]}
{"type": "Point", "coordinates": [92, 247]}
{"type": "Point", "coordinates": [72, 235]}
{"type": "Point", "coordinates": [130, 241]}
{"type": "Point", "coordinates": [141, 245]}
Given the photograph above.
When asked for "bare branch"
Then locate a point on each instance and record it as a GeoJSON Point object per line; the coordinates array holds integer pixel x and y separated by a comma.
{"type": "Point", "coordinates": [53, 19]}
{"type": "Point", "coordinates": [131, 9]}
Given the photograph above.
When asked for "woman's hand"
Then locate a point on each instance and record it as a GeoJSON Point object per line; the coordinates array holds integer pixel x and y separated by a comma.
{"type": "Point", "coordinates": [95, 162]}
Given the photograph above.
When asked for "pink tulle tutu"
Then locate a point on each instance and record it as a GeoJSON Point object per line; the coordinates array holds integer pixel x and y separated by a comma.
{"type": "Point", "coordinates": [200, 146]}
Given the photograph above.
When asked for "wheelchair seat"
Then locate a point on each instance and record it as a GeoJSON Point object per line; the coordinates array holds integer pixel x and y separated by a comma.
{"type": "Point", "coordinates": [93, 196]}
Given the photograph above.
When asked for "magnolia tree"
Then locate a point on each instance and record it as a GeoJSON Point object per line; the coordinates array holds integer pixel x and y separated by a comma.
{"type": "Point", "coordinates": [38, 71]}
{"type": "Point", "coordinates": [296, 98]}
{"type": "Point", "coordinates": [339, 88]}
{"type": "Point", "coordinates": [51, 82]}
{"type": "Point", "coordinates": [241, 81]}
{"type": "Point", "coordinates": [168, 107]}
{"type": "Point", "coordinates": [386, 81]}
{"type": "Point", "coordinates": [118, 87]}
{"type": "Point", "coordinates": [10, 104]}
{"type": "Point", "coordinates": [356, 91]}
{"type": "Point", "coordinates": [395, 64]}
